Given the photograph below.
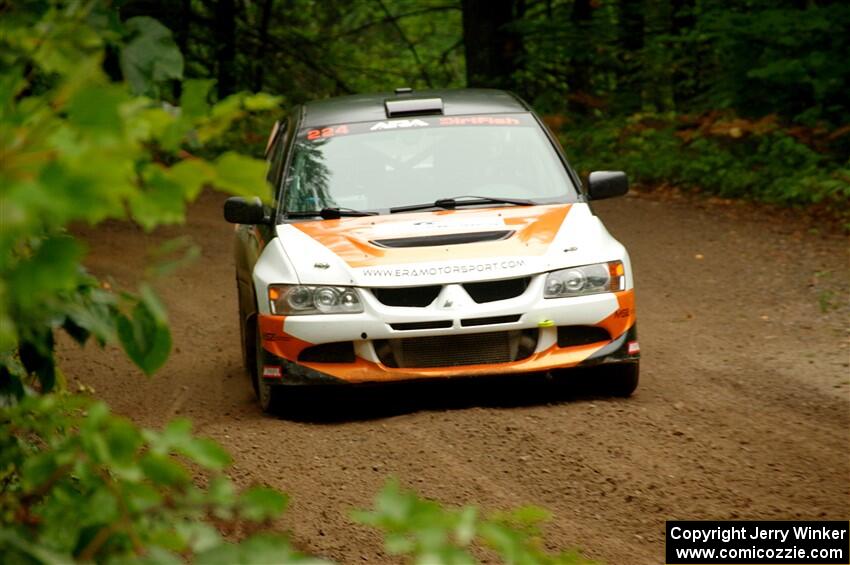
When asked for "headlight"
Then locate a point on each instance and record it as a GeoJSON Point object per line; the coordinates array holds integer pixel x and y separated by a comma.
{"type": "Point", "coordinates": [296, 299]}
{"type": "Point", "coordinates": [588, 279]}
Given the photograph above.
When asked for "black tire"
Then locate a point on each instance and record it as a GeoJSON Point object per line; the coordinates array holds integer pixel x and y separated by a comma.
{"type": "Point", "coordinates": [620, 379]}
{"type": "Point", "coordinates": [247, 337]}
{"type": "Point", "coordinates": [269, 395]}
{"type": "Point", "coordinates": [246, 328]}
{"type": "Point", "coordinates": [249, 341]}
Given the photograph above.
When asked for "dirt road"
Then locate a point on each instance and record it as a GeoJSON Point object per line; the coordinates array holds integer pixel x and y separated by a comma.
{"type": "Point", "coordinates": [743, 411]}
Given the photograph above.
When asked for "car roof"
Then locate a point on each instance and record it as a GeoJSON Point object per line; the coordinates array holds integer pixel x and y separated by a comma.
{"type": "Point", "coordinates": [370, 107]}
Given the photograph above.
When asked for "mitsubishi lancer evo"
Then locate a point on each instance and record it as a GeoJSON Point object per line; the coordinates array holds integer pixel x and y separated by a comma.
{"type": "Point", "coordinates": [428, 235]}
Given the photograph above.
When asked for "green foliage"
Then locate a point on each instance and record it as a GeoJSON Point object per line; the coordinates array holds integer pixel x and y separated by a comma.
{"type": "Point", "coordinates": [78, 146]}
{"type": "Point", "coordinates": [657, 149]}
{"type": "Point", "coordinates": [150, 57]}
{"type": "Point", "coordinates": [82, 484]}
{"type": "Point", "coordinates": [144, 333]}
{"type": "Point", "coordinates": [429, 533]}
{"type": "Point", "coordinates": [581, 60]}
{"type": "Point", "coordinates": [79, 483]}
{"type": "Point", "coordinates": [777, 57]}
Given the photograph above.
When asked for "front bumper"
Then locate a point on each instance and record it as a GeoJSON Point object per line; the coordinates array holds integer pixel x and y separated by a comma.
{"type": "Point", "coordinates": [285, 339]}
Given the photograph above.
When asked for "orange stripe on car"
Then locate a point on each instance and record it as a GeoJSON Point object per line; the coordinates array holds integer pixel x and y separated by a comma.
{"type": "Point", "coordinates": [349, 238]}
{"type": "Point", "coordinates": [278, 342]}
{"type": "Point", "coordinates": [366, 371]}
{"type": "Point", "coordinates": [619, 321]}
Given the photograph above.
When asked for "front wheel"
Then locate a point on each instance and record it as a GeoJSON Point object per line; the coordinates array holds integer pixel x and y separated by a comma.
{"type": "Point", "coordinates": [620, 379]}
{"type": "Point", "coordinates": [268, 394]}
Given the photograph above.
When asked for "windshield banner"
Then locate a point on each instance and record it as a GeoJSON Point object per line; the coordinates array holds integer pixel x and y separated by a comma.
{"type": "Point", "coordinates": [339, 130]}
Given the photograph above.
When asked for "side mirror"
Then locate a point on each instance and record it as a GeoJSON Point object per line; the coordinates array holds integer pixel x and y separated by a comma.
{"type": "Point", "coordinates": [238, 210]}
{"type": "Point", "coordinates": [607, 184]}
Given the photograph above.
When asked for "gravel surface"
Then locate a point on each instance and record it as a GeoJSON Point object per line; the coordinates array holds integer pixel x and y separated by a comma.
{"type": "Point", "coordinates": [743, 410]}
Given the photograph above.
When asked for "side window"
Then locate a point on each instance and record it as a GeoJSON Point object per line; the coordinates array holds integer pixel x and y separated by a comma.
{"type": "Point", "coordinates": [276, 153]}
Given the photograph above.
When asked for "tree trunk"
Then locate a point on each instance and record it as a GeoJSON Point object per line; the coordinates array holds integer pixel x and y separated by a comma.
{"type": "Point", "coordinates": [686, 65]}
{"type": "Point", "coordinates": [262, 45]}
{"type": "Point", "coordinates": [225, 37]}
{"type": "Point", "coordinates": [493, 52]}
{"type": "Point", "coordinates": [629, 80]}
{"type": "Point", "coordinates": [581, 57]}
{"type": "Point", "coordinates": [183, 27]}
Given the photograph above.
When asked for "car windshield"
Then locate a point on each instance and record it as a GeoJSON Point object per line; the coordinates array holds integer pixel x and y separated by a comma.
{"type": "Point", "coordinates": [380, 165]}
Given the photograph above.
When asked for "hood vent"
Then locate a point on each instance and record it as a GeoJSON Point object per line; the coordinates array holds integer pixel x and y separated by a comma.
{"type": "Point", "coordinates": [444, 239]}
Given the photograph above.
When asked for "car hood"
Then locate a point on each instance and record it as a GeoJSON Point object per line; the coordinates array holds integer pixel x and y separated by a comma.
{"type": "Point", "coordinates": [440, 246]}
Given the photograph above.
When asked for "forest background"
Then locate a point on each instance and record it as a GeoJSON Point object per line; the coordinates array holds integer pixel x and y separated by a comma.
{"type": "Point", "coordinates": [127, 110]}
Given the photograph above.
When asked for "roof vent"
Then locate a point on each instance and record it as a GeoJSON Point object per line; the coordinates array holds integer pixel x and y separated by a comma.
{"type": "Point", "coordinates": [403, 90]}
{"type": "Point", "coordinates": [413, 107]}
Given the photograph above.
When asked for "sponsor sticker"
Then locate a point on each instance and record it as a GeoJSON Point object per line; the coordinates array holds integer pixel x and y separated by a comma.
{"type": "Point", "coordinates": [319, 134]}
{"type": "Point", "coordinates": [479, 121]}
{"type": "Point", "coordinates": [634, 348]}
{"type": "Point", "coordinates": [272, 372]}
{"type": "Point", "coordinates": [325, 133]}
{"type": "Point", "coordinates": [397, 124]}
{"type": "Point", "coordinates": [434, 270]}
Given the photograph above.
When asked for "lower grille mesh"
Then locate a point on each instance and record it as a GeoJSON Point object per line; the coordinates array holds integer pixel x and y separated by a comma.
{"type": "Point", "coordinates": [449, 351]}
{"type": "Point", "coordinates": [457, 350]}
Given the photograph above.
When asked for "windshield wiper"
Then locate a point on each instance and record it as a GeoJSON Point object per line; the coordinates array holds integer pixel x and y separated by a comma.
{"type": "Point", "coordinates": [452, 203]}
{"type": "Point", "coordinates": [330, 213]}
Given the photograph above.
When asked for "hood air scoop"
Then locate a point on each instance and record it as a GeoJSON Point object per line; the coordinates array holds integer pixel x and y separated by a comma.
{"type": "Point", "coordinates": [444, 239]}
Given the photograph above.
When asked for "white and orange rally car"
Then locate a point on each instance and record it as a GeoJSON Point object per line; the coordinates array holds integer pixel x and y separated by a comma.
{"type": "Point", "coordinates": [428, 235]}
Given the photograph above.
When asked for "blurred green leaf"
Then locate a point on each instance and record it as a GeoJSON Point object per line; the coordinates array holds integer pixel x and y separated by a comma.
{"type": "Point", "coordinates": [151, 56]}
{"type": "Point", "coordinates": [261, 101]}
{"type": "Point", "coordinates": [430, 533]}
{"type": "Point", "coordinates": [193, 99]}
{"type": "Point", "coordinates": [206, 453]}
{"type": "Point", "coordinates": [262, 503]}
{"type": "Point", "coordinates": [95, 108]}
{"type": "Point", "coordinates": [50, 269]}
{"type": "Point", "coordinates": [191, 175]}
{"type": "Point", "coordinates": [37, 470]}
{"type": "Point", "coordinates": [199, 535]}
{"type": "Point", "coordinates": [163, 470]}
{"type": "Point", "coordinates": [93, 311]}
{"type": "Point", "coordinates": [123, 440]}
{"type": "Point", "coordinates": [161, 202]}
{"type": "Point", "coordinates": [266, 549]}
{"type": "Point", "coordinates": [241, 175]}
{"type": "Point", "coordinates": [18, 549]}
{"type": "Point", "coordinates": [145, 335]}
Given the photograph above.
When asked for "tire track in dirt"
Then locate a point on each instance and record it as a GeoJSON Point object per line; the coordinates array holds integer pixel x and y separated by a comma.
{"type": "Point", "coordinates": [743, 412]}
